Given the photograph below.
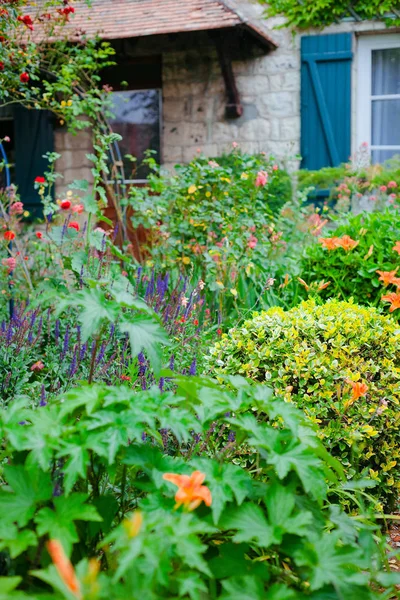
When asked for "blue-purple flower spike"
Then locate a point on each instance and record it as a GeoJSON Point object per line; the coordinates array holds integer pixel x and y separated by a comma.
{"type": "Point", "coordinates": [192, 370]}
{"type": "Point", "coordinates": [43, 396]}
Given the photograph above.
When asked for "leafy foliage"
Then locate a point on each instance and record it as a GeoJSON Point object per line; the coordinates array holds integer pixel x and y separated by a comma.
{"type": "Point", "coordinates": [77, 469]}
{"type": "Point", "coordinates": [353, 273]}
{"type": "Point", "coordinates": [304, 15]}
{"type": "Point", "coordinates": [339, 363]}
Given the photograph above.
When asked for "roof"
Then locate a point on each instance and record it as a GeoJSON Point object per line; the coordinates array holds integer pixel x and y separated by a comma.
{"type": "Point", "coordinates": [115, 19]}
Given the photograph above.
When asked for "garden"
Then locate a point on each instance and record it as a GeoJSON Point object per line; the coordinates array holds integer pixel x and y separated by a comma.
{"type": "Point", "coordinates": [209, 412]}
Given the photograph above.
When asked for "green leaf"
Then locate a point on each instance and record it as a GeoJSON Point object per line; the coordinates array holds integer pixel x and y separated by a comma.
{"type": "Point", "coordinates": [226, 481]}
{"type": "Point", "coordinates": [29, 488]}
{"type": "Point", "coordinates": [251, 525]}
{"type": "Point", "coordinates": [146, 335]}
{"type": "Point", "coordinates": [243, 588]}
{"type": "Point", "coordinates": [191, 584]}
{"type": "Point", "coordinates": [59, 523]}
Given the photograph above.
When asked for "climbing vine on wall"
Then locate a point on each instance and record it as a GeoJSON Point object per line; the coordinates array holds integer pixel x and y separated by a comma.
{"type": "Point", "coordinates": [303, 14]}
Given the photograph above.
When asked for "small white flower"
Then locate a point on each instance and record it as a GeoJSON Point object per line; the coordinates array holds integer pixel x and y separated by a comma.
{"type": "Point", "coordinates": [184, 301]}
{"type": "Point", "coordinates": [201, 284]}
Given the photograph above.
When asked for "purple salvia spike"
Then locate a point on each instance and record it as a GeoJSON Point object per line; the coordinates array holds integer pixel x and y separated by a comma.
{"type": "Point", "coordinates": [82, 352]}
{"type": "Point", "coordinates": [172, 362]}
{"type": "Point", "coordinates": [72, 369]}
{"type": "Point", "coordinates": [57, 330]}
{"type": "Point", "coordinates": [65, 343]}
{"type": "Point", "coordinates": [43, 396]}
{"type": "Point", "coordinates": [192, 370]}
{"type": "Point", "coordinates": [115, 232]}
{"type": "Point", "coordinates": [161, 384]}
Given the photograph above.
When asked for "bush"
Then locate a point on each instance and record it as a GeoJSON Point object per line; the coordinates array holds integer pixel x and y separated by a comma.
{"type": "Point", "coordinates": [338, 362]}
{"type": "Point", "coordinates": [352, 272]}
{"type": "Point", "coordinates": [94, 475]}
{"type": "Point", "coordinates": [216, 221]}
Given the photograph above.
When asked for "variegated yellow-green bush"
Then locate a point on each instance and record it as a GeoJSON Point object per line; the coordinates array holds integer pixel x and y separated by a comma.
{"type": "Point", "coordinates": [340, 363]}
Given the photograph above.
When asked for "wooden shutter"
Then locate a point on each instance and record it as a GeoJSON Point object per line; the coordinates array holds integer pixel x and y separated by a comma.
{"type": "Point", "coordinates": [33, 130]}
{"type": "Point", "coordinates": [325, 100]}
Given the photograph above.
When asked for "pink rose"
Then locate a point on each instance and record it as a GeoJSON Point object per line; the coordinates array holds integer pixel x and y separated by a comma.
{"type": "Point", "coordinates": [383, 188]}
{"type": "Point", "coordinates": [261, 179]}
{"type": "Point", "coordinates": [78, 208]}
{"type": "Point", "coordinates": [10, 263]}
{"type": "Point", "coordinates": [275, 167]}
{"type": "Point", "coordinates": [252, 242]}
{"type": "Point", "coordinates": [392, 184]}
{"type": "Point", "coordinates": [17, 208]}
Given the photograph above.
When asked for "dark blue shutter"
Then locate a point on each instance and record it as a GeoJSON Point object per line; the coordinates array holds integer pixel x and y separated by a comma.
{"type": "Point", "coordinates": [325, 100]}
{"type": "Point", "coordinates": [34, 136]}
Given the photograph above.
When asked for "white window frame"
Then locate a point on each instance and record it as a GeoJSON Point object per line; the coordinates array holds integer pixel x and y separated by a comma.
{"type": "Point", "coordinates": [365, 46]}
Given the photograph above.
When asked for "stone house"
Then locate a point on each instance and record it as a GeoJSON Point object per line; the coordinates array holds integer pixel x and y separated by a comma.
{"type": "Point", "coordinates": [201, 74]}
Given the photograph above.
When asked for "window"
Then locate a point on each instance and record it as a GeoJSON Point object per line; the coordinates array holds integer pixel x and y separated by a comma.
{"type": "Point", "coordinates": [378, 116]}
{"type": "Point", "coordinates": [137, 120]}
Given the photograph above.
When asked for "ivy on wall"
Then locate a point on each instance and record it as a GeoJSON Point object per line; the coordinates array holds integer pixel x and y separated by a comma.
{"type": "Point", "coordinates": [303, 14]}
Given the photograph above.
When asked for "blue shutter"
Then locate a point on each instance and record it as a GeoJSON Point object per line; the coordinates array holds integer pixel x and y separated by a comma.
{"type": "Point", "coordinates": [325, 100]}
{"type": "Point", "coordinates": [34, 136]}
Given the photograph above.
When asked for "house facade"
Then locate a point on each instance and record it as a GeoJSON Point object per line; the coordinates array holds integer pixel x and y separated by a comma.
{"type": "Point", "coordinates": [201, 74]}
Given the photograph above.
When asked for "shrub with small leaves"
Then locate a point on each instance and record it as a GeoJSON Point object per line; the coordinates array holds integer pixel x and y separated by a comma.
{"type": "Point", "coordinates": [340, 363]}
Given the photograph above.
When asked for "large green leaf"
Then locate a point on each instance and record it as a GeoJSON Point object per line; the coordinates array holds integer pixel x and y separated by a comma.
{"type": "Point", "coordinates": [145, 334]}
{"type": "Point", "coordinates": [29, 488]}
{"type": "Point", "coordinates": [250, 525]}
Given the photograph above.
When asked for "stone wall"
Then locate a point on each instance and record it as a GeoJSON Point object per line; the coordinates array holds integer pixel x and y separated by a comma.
{"type": "Point", "coordinates": [73, 163]}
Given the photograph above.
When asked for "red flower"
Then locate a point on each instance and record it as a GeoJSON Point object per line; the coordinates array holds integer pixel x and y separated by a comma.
{"type": "Point", "coordinates": [24, 77]}
{"type": "Point", "coordinates": [74, 225]}
{"type": "Point", "coordinates": [125, 378]}
{"type": "Point", "coordinates": [39, 235]}
{"type": "Point", "coordinates": [1, 65]}
{"type": "Point", "coordinates": [182, 319]}
{"type": "Point", "coordinates": [219, 331]}
{"type": "Point", "coordinates": [9, 235]}
{"type": "Point", "coordinates": [26, 20]}
{"type": "Point", "coordinates": [65, 204]}
{"type": "Point", "coordinates": [40, 179]}
{"type": "Point", "coordinates": [195, 322]}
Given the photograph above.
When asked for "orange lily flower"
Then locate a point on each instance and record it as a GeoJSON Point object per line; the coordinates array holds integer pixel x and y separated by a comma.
{"type": "Point", "coordinates": [394, 299]}
{"type": "Point", "coordinates": [323, 284]}
{"type": "Point", "coordinates": [134, 524]}
{"type": "Point", "coordinates": [303, 283]}
{"type": "Point", "coordinates": [396, 247]}
{"type": "Point", "coordinates": [190, 491]}
{"type": "Point", "coordinates": [388, 277]}
{"type": "Point", "coordinates": [330, 243]}
{"type": "Point", "coordinates": [359, 389]}
{"type": "Point", "coordinates": [347, 243]}
{"type": "Point", "coordinates": [64, 567]}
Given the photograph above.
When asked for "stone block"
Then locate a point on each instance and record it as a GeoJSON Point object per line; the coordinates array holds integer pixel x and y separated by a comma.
{"type": "Point", "coordinates": [255, 130]}
{"type": "Point", "coordinates": [176, 109]}
{"type": "Point", "coordinates": [224, 132]}
{"type": "Point", "coordinates": [277, 104]}
{"type": "Point", "coordinates": [290, 129]}
{"type": "Point", "coordinates": [252, 84]}
{"type": "Point", "coordinates": [172, 154]}
{"type": "Point", "coordinates": [81, 141]}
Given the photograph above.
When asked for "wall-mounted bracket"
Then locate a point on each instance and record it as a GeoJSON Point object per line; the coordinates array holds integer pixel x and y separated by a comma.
{"type": "Point", "coordinates": [234, 108]}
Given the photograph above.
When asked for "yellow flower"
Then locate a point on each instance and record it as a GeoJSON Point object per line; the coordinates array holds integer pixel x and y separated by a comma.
{"type": "Point", "coordinates": [208, 194]}
{"type": "Point", "coordinates": [244, 176]}
{"type": "Point", "coordinates": [192, 189]}
{"type": "Point", "coordinates": [233, 292]}
{"type": "Point", "coordinates": [186, 260]}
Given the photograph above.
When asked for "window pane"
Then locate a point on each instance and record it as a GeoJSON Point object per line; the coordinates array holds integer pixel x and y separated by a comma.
{"type": "Point", "coordinates": [137, 120]}
{"type": "Point", "coordinates": [379, 156]}
{"type": "Point", "coordinates": [386, 122]}
{"type": "Point", "coordinates": [386, 71]}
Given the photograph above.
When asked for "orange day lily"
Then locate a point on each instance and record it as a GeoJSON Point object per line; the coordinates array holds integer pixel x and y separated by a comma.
{"type": "Point", "coordinates": [64, 567]}
{"type": "Point", "coordinates": [323, 285]}
{"type": "Point", "coordinates": [388, 277]}
{"type": "Point", "coordinates": [394, 299]}
{"type": "Point", "coordinates": [190, 491]}
{"type": "Point", "coordinates": [133, 524]}
{"type": "Point", "coordinates": [396, 247]}
{"type": "Point", "coordinates": [347, 243]}
{"type": "Point", "coordinates": [329, 243]}
{"type": "Point", "coordinates": [359, 389]}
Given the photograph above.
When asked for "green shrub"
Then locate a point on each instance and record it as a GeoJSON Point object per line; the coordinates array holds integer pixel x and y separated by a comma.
{"type": "Point", "coordinates": [312, 355]}
{"type": "Point", "coordinates": [353, 273]}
